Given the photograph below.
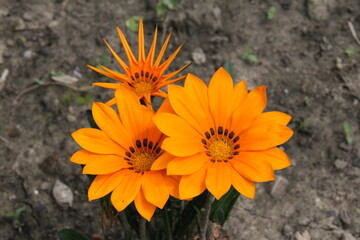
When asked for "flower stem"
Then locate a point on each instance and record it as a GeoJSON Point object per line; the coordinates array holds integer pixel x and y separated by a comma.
{"type": "Point", "coordinates": [205, 220]}
{"type": "Point", "coordinates": [142, 228]}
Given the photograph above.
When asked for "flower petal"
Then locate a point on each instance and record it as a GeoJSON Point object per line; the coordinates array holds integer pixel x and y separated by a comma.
{"type": "Point", "coordinates": [254, 169]}
{"type": "Point", "coordinates": [104, 184]}
{"type": "Point", "coordinates": [182, 146]}
{"type": "Point", "coordinates": [220, 95]}
{"type": "Point", "coordinates": [155, 189]}
{"type": "Point", "coordinates": [172, 183]}
{"type": "Point", "coordinates": [252, 106]}
{"type": "Point", "coordinates": [145, 208]}
{"type": "Point", "coordinates": [82, 156]}
{"type": "Point", "coordinates": [108, 121]}
{"type": "Point", "coordinates": [218, 179]}
{"type": "Point", "coordinates": [192, 185]}
{"type": "Point", "coordinates": [272, 118]}
{"type": "Point", "coordinates": [186, 165]}
{"type": "Point", "coordinates": [239, 93]}
{"type": "Point", "coordinates": [264, 136]}
{"type": "Point", "coordinates": [162, 161]}
{"type": "Point", "coordinates": [105, 164]}
{"type": "Point", "coordinates": [126, 191]}
{"type": "Point", "coordinates": [277, 158]}
{"type": "Point", "coordinates": [242, 185]}
{"type": "Point", "coordinates": [96, 141]}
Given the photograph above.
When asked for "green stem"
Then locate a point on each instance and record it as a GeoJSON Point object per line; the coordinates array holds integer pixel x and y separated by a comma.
{"type": "Point", "coordinates": [142, 228]}
{"type": "Point", "coordinates": [205, 219]}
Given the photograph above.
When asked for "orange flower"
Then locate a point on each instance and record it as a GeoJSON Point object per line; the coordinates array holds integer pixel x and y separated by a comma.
{"type": "Point", "coordinates": [143, 75]}
{"type": "Point", "coordinates": [121, 154]}
{"type": "Point", "coordinates": [220, 136]}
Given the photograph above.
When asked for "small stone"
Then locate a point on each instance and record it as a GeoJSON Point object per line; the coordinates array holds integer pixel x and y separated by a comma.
{"type": "Point", "coordinates": [28, 54]}
{"type": "Point", "coordinates": [19, 24]}
{"type": "Point", "coordinates": [66, 79]}
{"type": "Point", "coordinates": [62, 193]}
{"type": "Point", "coordinates": [348, 236]}
{"type": "Point", "coordinates": [27, 16]}
{"type": "Point", "coordinates": [279, 187]}
{"type": "Point", "coordinates": [345, 147]}
{"type": "Point", "coordinates": [340, 164]}
{"type": "Point", "coordinates": [345, 218]}
{"type": "Point", "coordinates": [10, 42]}
{"type": "Point", "coordinates": [356, 162]}
{"type": "Point", "coordinates": [302, 236]}
{"type": "Point", "coordinates": [71, 118]}
{"type": "Point", "coordinates": [288, 230]}
{"type": "Point", "coordinates": [339, 64]}
{"type": "Point", "coordinates": [13, 132]}
{"type": "Point", "coordinates": [3, 78]}
{"type": "Point", "coordinates": [198, 56]}
{"type": "Point", "coordinates": [320, 9]}
{"type": "Point", "coordinates": [304, 221]}
{"type": "Point", "coordinates": [2, 51]}
{"type": "Point", "coordinates": [45, 185]}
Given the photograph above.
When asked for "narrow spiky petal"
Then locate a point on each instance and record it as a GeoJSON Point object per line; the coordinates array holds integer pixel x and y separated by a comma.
{"type": "Point", "coordinates": [168, 61]}
{"type": "Point", "coordinates": [107, 85]}
{"type": "Point", "coordinates": [118, 59]}
{"type": "Point", "coordinates": [129, 53]}
{"type": "Point", "coordinates": [162, 51]}
{"type": "Point", "coordinates": [165, 83]}
{"type": "Point", "coordinates": [141, 42]}
{"type": "Point", "coordinates": [170, 75]}
{"type": "Point", "coordinates": [152, 50]}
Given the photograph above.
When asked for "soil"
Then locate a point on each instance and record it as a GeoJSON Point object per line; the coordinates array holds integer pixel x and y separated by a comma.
{"type": "Point", "coordinates": [302, 59]}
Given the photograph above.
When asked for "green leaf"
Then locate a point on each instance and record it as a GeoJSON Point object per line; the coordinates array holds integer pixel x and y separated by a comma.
{"type": "Point", "coordinates": [161, 8]}
{"type": "Point", "coordinates": [39, 81]}
{"type": "Point", "coordinates": [229, 66]}
{"type": "Point", "coordinates": [350, 52]}
{"type": "Point", "coordinates": [220, 209]}
{"type": "Point", "coordinates": [271, 13]}
{"type": "Point", "coordinates": [252, 58]}
{"type": "Point", "coordinates": [171, 4]}
{"type": "Point", "coordinates": [348, 135]}
{"type": "Point", "coordinates": [133, 23]}
{"type": "Point", "coordinates": [70, 234]}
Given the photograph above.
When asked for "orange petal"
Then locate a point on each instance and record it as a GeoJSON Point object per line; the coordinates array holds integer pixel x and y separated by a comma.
{"type": "Point", "coordinates": [242, 185]}
{"type": "Point", "coordinates": [118, 59]}
{"type": "Point", "coordinates": [126, 191]}
{"type": "Point", "coordinates": [82, 156]}
{"type": "Point", "coordinates": [155, 189]}
{"type": "Point", "coordinates": [162, 161]}
{"type": "Point", "coordinates": [145, 208]}
{"type": "Point", "coordinates": [173, 185]}
{"type": "Point", "coordinates": [151, 54]}
{"type": "Point", "coordinates": [173, 125]}
{"type": "Point", "coordinates": [111, 102]}
{"type": "Point", "coordinates": [239, 94]}
{"type": "Point", "coordinates": [264, 136]}
{"type": "Point", "coordinates": [105, 164]}
{"type": "Point", "coordinates": [218, 179]}
{"type": "Point", "coordinates": [220, 95]}
{"type": "Point", "coordinates": [187, 165]}
{"type": "Point", "coordinates": [272, 118]}
{"type": "Point", "coordinates": [274, 156]}
{"type": "Point", "coordinates": [141, 42]}
{"type": "Point", "coordinates": [166, 107]}
{"type": "Point", "coordinates": [192, 185]}
{"type": "Point", "coordinates": [96, 141]}
{"type": "Point", "coordinates": [254, 169]}
{"type": "Point", "coordinates": [172, 74]}
{"type": "Point", "coordinates": [127, 48]}
{"type": "Point", "coordinates": [182, 146]}
{"type": "Point", "coordinates": [162, 51]}
{"type": "Point", "coordinates": [107, 85]}
{"type": "Point", "coordinates": [104, 184]}
{"type": "Point", "coordinates": [168, 61]}
{"type": "Point", "coordinates": [108, 121]}
{"type": "Point", "coordinates": [130, 110]}
{"type": "Point", "coordinates": [252, 106]}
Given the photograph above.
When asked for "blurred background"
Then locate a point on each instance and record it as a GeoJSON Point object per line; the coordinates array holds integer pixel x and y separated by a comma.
{"type": "Point", "coordinates": [306, 52]}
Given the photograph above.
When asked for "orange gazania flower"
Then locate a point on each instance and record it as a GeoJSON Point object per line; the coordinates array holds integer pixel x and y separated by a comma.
{"type": "Point", "coordinates": [121, 154]}
{"type": "Point", "coordinates": [221, 137]}
{"type": "Point", "coordinates": [144, 76]}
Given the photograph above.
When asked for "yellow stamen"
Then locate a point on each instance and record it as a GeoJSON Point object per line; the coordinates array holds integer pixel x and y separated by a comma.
{"type": "Point", "coordinates": [143, 160]}
{"type": "Point", "coordinates": [220, 149]}
{"type": "Point", "coordinates": [143, 87]}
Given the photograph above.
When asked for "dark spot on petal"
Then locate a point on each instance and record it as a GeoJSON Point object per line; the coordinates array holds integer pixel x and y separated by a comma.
{"type": "Point", "coordinates": [147, 74]}
{"type": "Point", "coordinates": [236, 146]}
{"type": "Point", "coordinates": [231, 135]}
{"type": "Point", "coordinates": [212, 131]}
{"type": "Point", "coordinates": [132, 149]}
{"type": "Point", "coordinates": [236, 139]}
{"type": "Point", "coordinates": [236, 153]}
{"type": "Point", "coordinates": [128, 154]}
{"type": "Point", "coordinates": [207, 134]}
{"type": "Point", "coordinates": [226, 132]}
{"type": "Point", "coordinates": [158, 150]}
{"type": "Point", "coordinates": [150, 144]}
{"type": "Point", "coordinates": [136, 75]}
{"type": "Point", "coordinates": [220, 130]}
{"type": "Point", "coordinates": [145, 142]}
{"type": "Point", "coordinates": [203, 141]}
{"type": "Point", "coordinates": [138, 143]}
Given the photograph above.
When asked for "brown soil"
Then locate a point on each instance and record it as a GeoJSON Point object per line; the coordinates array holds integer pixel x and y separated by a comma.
{"type": "Point", "coordinates": [301, 58]}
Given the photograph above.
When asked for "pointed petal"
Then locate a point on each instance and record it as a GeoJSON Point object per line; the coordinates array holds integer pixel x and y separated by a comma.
{"type": "Point", "coordinates": [118, 59]}
{"type": "Point", "coordinates": [274, 156]}
{"type": "Point", "coordinates": [220, 95]}
{"type": "Point", "coordinates": [271, 118]}
{"type": "Point", "coordinates": [129, 53]}
{"type": "Point", "coordinates": [254, 169]}
{"type": "Point", "coordinates": [159, 93]}
{"type": "Point", "coordinates": [104, 184]}
{"type": "Point", "coordinates": [111, 102]}
{"type": "Point", "coordinates": [239, 94]}
{"type": "Point", "coordinates": [110, 75]}
{"type": "Point", "coordinates": [182, 146]}
{"type": "Point", "coordinates": [130, 110]}
{"type": "Point", "coordinates": [151, 54]}
{"type": "Point", "coordinates": [172, 74]}
{"type": "Point", "coordinates": [162, 161]}
{"type": "Point", "coordinates": [168, 61]}
{"type": "Point", "coordinates": [120, 76]}
{"type": "Point", "coordinates": [242, 185]}
{"type": "Point", "coordinates": [252, 106]}
{"type": "Point", "coordinates": [105, 164]}
{"type": "Point", "coordinates": [264, 136]}
{"type": "Point", "coordinates": [166, 83]}
{"type": "Point", "coordinates": [145, 208]}
{"type": "Point", "coordinates": [96, 141]}
{"type": "Point", "coordinates": [155, 189]}
{"type": "Point", "coordinates": [108, 121]}
{"type": "Point", "coordinates": [166, 107]}
{"type": "Point", "coordinates": [192, 185]}
{"type": "Point", "coordinates": [218, 179]}
{"type": "Point", "coordinates": [187, 165]}
{"type": "Point", "coordinates": [162, 51]}
{"type": "Point", "coordinates": [141, 42]}
{"type": "Point", "coordinates": [82, 156]}
{"type": "Point", "coordinates": [126, 191]}
{"type": "Point", "coordinates": [172, 184]}
{"type": "Point", "coordinates": [107, 85]}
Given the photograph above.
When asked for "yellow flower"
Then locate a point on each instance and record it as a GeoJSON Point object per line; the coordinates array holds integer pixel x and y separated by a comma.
{"type": "Point", "coordinates": [220, 136]}
{"type": "Point", "coordinates": [121, 154]}
{"type": "Point", "coordinates": [144, 76]}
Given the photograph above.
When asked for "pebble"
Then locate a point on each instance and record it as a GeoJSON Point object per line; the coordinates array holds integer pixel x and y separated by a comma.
{"type": "Point", "coordinates": [340, 164]}
{"type": "Point", "coordinates": [3, 78]}
{"type": "Point", "coordinates": [302, 236]}
{"type": "Point", "coordinates": [320, 9]}
{"type": "Point", "coordinates": [198, 56]}
{"type": "Point", "coordinates": [304, 221]}
{"type": "Point", "coordinates": [345, 147]}
{"type": "Point", "coordinates": [62, 193]}
{"type": "Point", "coordinates": [278, 187]}
{"type": "Point", "coordinates": [345, 218]}
{"type": "Point", "coordinates": [288, 230]}
{"type": "Point", "coordinates": [2, 51]}
{"type": "Point", "coordinates": [66, 79]}
{"type": "Point", "coordinates": [339, 64]}
{"type": "Point", "coordinates": [28, 54]}
{"type": "Point", "coordinates": [27, 16]}
{"type": "Point", "coordinates": [356, 162]}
